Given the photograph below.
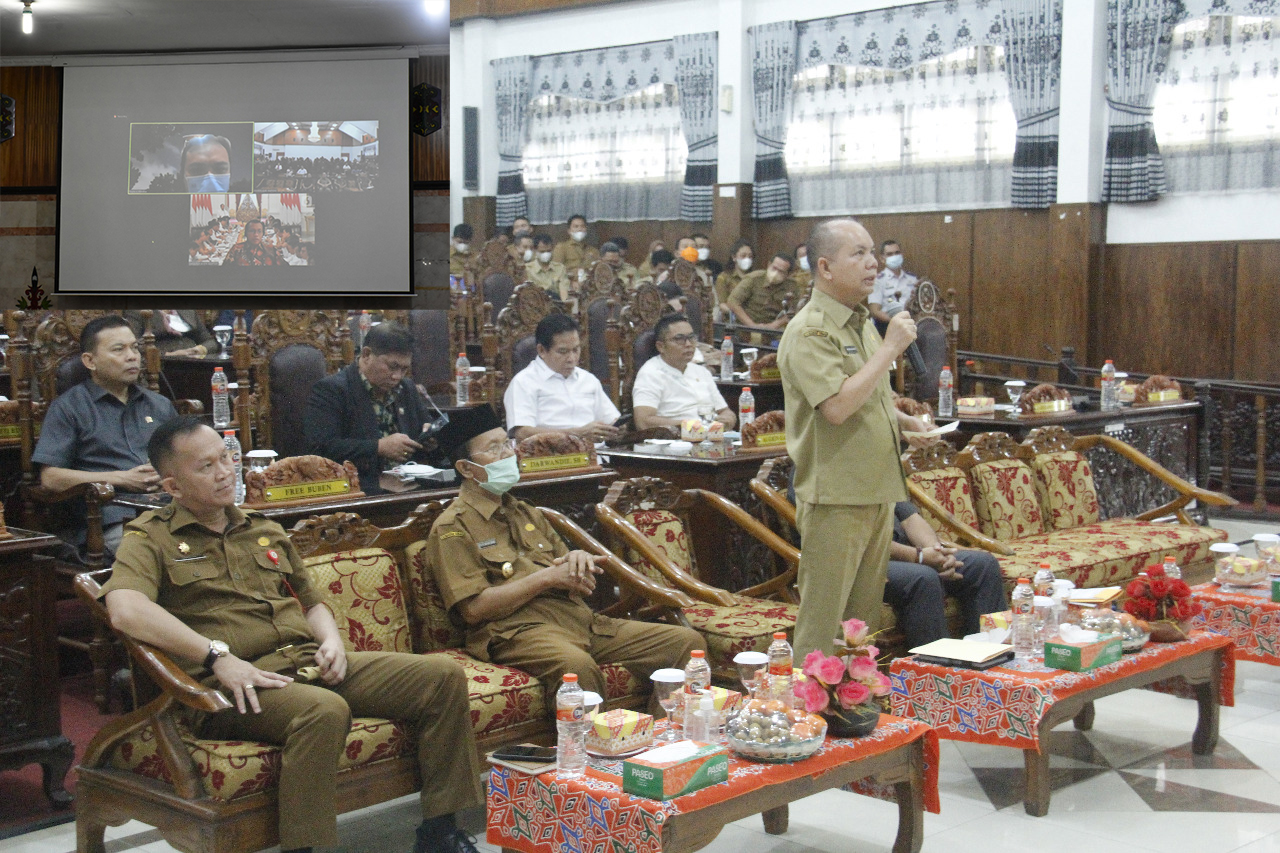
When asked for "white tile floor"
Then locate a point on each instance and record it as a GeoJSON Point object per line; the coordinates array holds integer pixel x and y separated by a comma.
{"type": "Point", "coordinates": [1129, 785]}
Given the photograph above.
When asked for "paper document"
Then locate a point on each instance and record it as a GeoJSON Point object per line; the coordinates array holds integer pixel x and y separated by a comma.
{"type": "Point", "coordinates": [965, 650]}
{"type": "Point", "coordinates": [942, 430]}
{"type": "Point", "coordinates": [1101, 595]}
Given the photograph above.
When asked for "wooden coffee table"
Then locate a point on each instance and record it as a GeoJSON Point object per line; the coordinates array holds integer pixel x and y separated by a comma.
{"type": "Point", "coordinates": [1006, 707]}
{"type": "Point", "coordinates": [540, 814]}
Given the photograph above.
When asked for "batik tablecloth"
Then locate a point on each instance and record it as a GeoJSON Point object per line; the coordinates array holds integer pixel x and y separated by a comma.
{"type": "Point", "coordinates": [540, 814]}
{"type": "Point", "coordinates": [1004, 706]}
{"type": "Point", "coordinates": [1249, 617]}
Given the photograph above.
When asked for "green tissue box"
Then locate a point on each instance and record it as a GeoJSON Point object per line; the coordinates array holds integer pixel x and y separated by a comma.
{"type": "Point", "coordinates": [1078, 657]}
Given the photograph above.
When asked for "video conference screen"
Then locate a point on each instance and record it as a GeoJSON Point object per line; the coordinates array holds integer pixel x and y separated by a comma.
{"type": "Point", "coordinates": [274, 178]}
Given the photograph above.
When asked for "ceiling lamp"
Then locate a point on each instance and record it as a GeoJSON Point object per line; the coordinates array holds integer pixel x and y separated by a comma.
{"type": "Point", "coordinates": [435, 8]}
{"type": "Point", "coordinates": [315, 132]}
{"type": "Point", "coordinates": [28, 20]}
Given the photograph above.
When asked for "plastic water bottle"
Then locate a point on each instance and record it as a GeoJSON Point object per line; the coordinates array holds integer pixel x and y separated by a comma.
{"type": "Point", "coordinates": [1024, 622]}
{"type": "Point", "coordinates": [946, 394]}
{"type": "Point", "coordinates": [1043, 582]}
{"type": "Point", "coordinates": [1171, 569]}
{"type": "Point", "coordinates": [697, 678]}
{"type": "Point", "coordinates": [746, 407]}
{"type": "Point", "coordinates": [1110, 397]}
{"type": "Point", "coordinates": [462, 372]}
{"type": "Point", "coordinates": [726, 360]}
{"type": "Point", "coordinates": [571, 730]}
{"type": "Point", "coordinates": [781, 664]}
{"type": "Point", "coordinates": [364, 324]}
{"type": "Point", "coordinates": [221, 400]}
{"type": "Point", "coordinates": [1045, 626]}
{"type": "Point", "coordinates": [701, 724]}
{"type": "Point", "coordinates": [233, 445]}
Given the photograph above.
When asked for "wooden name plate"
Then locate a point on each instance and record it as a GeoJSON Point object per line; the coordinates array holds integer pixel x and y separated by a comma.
{"type": "Point", "coordinates": [300, 480]}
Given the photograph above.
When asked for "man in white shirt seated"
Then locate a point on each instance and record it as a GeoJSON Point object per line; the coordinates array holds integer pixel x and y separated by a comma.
{"type": "Point", "coordinates": [670, 387]}
{"type": "Point", "coordinates": [553, 393]}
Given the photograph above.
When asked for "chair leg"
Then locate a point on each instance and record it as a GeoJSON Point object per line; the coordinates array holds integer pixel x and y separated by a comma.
{"type": "Point", "coordinates": [90, 835]}
{"type": "Point", "coordinates": [101, 653]}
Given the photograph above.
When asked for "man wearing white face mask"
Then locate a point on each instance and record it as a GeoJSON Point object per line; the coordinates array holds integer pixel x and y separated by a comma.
{"type": "Point", "coordinates": [460, 248]}
{"type": "Point", "coordinates": [511, 581]}
{"type": "Point", "coordinates": [206, 164]}
{"type": "Point", "coordinates": [893, 284]}
{"type": "Point", "coordinates": [761, 297]}
{"type": "Point", "coordinates": [545, 272]}
{"type": "Point", "coordinates": [741, 258]}
{"type": "Point", "coordinates": [574, 253]}
{"type": "Point", "coordinates": [801, 277]}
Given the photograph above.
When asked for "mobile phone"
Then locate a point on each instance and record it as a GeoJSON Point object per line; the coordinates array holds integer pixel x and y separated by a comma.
{"type": "Point", "coordinates": [525, 753]}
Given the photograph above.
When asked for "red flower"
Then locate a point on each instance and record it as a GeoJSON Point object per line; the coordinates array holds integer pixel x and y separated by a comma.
{"type": "Point", "coordinates": [1179, 588]}
{"type": "Point", "coordinates": [1136, 588]}
{"type": "Point", "coordinates": [1156, 571]}
{"type": "Point", "coordinates": [1160, 587]}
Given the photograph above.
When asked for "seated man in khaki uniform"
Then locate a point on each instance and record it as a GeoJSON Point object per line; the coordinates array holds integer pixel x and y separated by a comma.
{"type": "Point", "coordinates": [548, 274]}
{"type": "Point", "coordinates": [222, 590]}
{"type": "Point", "coordinates": [510, 580]}
{"type": "Point", "coordinates": [576, 255]}
{"type": "Point", "coordinates": [758, 299]}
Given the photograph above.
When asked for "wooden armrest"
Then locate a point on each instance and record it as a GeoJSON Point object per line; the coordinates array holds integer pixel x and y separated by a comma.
{"type": "Point", "coordinates": [627, 577]}
{"type": "Point", "coordinates": [616, 525]}
{"type": "Point", "coordinates": [1188, 491]}
{"type": "Point", "coordinates": [775, 500]}
{"type": "Point", "coordinates": [765, 536]}
{"type": "Point", "coordinates": [962, 532]}
{"type": "Point", "coordinates": [93, 493]}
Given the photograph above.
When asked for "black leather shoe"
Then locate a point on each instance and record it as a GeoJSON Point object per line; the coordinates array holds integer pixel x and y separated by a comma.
{"type": "Point", "coordinates": [461, 842]}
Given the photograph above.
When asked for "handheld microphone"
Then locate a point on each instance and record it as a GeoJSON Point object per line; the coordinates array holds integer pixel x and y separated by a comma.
{"type": "Point", "coordinates": [892, 308]}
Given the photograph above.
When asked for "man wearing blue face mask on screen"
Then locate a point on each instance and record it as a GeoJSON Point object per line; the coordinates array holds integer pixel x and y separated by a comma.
{"type": "Point", "coordinates": [206, 163]}
{"type": "Point", "coordinates": [513, 585]}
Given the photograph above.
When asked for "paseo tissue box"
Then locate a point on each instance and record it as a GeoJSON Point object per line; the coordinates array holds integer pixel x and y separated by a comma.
{"type": "Point", "coordinates": [618, 731]}
{"type": "Point", "coordinates": [1082, 655]}
{"type": "Point", "coordinates": [675, 770]}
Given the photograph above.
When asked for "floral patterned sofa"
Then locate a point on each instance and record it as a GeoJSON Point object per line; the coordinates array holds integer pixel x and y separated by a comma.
{"type": "Point", "coordinates": [217, 795]}
{"type": "Point", "coordinates": [1037, 502]}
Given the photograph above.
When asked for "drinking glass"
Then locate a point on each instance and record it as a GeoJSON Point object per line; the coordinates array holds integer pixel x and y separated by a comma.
{"type": "Point", "coordinates": [748, 358]}
{"type": "Point", "coordinates": [1224, 557]}
{"type": "Point", "coordinates": [1014, 388]}
{"type": "Point", "coordinates": [1268, 548]}
{"type": "Point", "coordinates": [668, 689]}
{"type": "Point", "coordinates": [222, 334]}
{"type": "Point", "coordinates": [260, 459]}
{"type": "Point", "coordinates": [751, 665]}
{"type": "Point", "coordinates": [708, 415]}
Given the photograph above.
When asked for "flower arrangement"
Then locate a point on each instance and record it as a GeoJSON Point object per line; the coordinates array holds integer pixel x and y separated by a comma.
{"type": "Point", "coordinates": [1159, 598]}
{"type": "Point", "coordinates": [845, 681]}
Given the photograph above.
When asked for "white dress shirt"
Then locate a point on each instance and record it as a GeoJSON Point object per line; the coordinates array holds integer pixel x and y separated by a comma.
{"type": "Point", "coordinates": [540, 397]}
{"type": "Point", "coordinates": [674, 394]}
{"type": "Point", "coordinates": [887, 284]}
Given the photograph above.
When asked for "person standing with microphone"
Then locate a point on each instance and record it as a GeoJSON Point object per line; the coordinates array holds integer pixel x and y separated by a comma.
{"type": "Point", "coordinates": [843, 433]}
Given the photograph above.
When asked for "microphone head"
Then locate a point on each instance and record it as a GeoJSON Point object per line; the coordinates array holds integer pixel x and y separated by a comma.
{"type": "Point", "coordinates": [892, 307]}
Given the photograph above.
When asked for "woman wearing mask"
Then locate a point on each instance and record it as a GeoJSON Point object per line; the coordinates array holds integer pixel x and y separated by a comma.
{"type": "Point", "coordinates": [741, 257]}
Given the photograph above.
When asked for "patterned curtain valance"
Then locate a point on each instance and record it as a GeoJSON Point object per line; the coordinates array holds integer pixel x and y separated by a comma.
{"type": "Point", "coordinates": [604, 74]}
{"type": "Point", "coordinates": [1200, 8]}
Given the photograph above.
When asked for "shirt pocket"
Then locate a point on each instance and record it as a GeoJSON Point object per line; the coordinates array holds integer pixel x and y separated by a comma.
{"type": "Point", "coordinates": [495, 558]}
{"type": "Point", "coordinates": [278, 566]}
{"type": "Point", "coordinates": [183, 571]}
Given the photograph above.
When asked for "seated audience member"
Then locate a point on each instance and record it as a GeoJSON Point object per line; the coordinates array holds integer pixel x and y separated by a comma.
{"type": "Point", "coordinates": [176, 332]}
{"type": "Point", "coordinates": [645, 269]}
{"type": "Point", "coordinates": [758, 298]}
{"type": "Point", "coordinates": [674, 295]}
{"type": "Point", "coordinates": [227, 317]}
{"type": "Point", "coordinates": [518, 591]}
{"type": "Point", "coordinates": [370, 412]}
{"type": "Point", "coordinates": [574, 252]}
{"type": "Point", "coordinates": [611, 254]}
{"type": "Point", "coordinates": [460, 248]}
{"type": "Point", "coordinates": [553, 393]}
{"type": "Point", "coordinates": [522, 249]}
{"type": "Point", "coordinates": [659, 268]}
{"type": "Point", "coordinates": [252, 252]}
{"type": "Point", "coordinates": [740, 259]}
{"type": "Point", "coordinates": [707, 266]}
{"type": "Point", "coordinates": [626, 272]}
{"type": "Point", "coordinates": [97, 431]}
{"type": "Point", "coordinates": [801, 277]}
{"type": "Point", "coordinates": [254, 637]}
{"type": "Point", "coordinates": [545, 272]}
{"type": "Point", "coordinates": [893, 284]}
{"type": "Point", "coordinates": [521, 227]}
{"type": "Point", "coordinates": [670, 387]}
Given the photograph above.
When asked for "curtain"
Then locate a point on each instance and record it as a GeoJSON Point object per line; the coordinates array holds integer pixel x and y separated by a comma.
{"type": "Point", "coordinates": [511, 101]}
{"type": "Point", "coordinates": [1217, 105]}
{"type": "Point", "coordinates": [1033, 60]}
{"type": "Point", "coordinates": [695, 74]}
{"type": "Point", "coordinates": [773, 67]}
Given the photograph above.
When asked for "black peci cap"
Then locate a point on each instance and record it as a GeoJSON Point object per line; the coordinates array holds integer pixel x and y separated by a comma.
{"type": "Point", "coordinates": [463, 426]}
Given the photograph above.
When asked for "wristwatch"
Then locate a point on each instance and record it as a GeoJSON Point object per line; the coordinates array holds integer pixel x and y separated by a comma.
{"type": "Point", "coordinates": [217, 649]}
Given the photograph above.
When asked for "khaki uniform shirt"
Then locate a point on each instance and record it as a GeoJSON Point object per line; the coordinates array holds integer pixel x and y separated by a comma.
{"type": "Point", "coordinates": [551, 277]}
{"type": "Point", "coordinates": [726, 282]}
{"type": "Point", "coordinates": [575, 256]}
{"type": "Point", "coordinates": [225, 586]}
{"type": "Point", "coordinates": [457, 262]}
{"type": "Point", "coordinates": [627, 274]}
{"type": "Point", "coordinates": [480, 541]}
{"type": "Point", "coordinates": [857, 462]}
{"type": "Point", "coordinates": [761, 300]}
{"type": "Point", "coordinates": [801, 284]}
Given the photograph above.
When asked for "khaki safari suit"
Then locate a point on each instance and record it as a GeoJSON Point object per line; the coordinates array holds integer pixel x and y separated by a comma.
{"type": "Point", "coordinates": [458, 262]}
{"type": "Point", "coordinates": [726, 282]}
{"type": "Point", "coordinates": [481, 540]}
{"type": "Point", "coordinates": [848, 477]}
{"type": "Point", "coordinates": [550, 277]}
{"type": "Point", "coordinates": [246, 587]}
{"type": "Point", "coordinates": [761, 300]}
{"type": "Point", "coordinates": [575, 256]}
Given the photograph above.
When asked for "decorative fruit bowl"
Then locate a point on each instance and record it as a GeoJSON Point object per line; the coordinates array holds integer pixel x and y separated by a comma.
{"type": "Point", "coordinates": [768, 731]}
{"type": "Point", "coordinates": [1240, 571]}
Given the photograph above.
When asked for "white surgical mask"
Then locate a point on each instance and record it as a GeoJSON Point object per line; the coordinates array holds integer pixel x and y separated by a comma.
{"type": "Point", "coordinates": [744, 264]}
{"type": "Point", "coordinates": [528, 255]}
{"type": "Point", "coordinates": [704, 253]}
{"type": "Point", "coordinates": [463, 248]}
{"type": "Point", "coordinates": [804, 263]}
{"type": "Point", "coordinates": [545, 257]}
{"type": "Point", "coordinates": [209, 183]}
{"type": "Point", "coordinates": [893, 262]}
{"type": "Point", "coordinates": [578, 236]}
{"type": "Point", "coordinates": [501, 475]}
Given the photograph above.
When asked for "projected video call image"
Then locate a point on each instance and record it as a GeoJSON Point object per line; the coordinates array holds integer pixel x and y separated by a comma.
{"type": "Point", "coordinates": [252, 230]}
{"type": "Point", "coordinates": [191, 157]}
{"type": "Point", "coordinates": [315, 156]}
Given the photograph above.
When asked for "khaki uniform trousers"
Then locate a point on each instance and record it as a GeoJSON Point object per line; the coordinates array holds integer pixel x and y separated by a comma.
{"type": "Point", "coordinates": [550, 650]}
{"type": "Point", "coordinates": [429, 692]}
{"type": "Point", "coordinates": [844, 561]}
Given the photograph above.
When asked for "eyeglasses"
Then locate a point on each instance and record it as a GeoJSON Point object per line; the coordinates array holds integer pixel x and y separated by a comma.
{"type": "Point", "coordinates": [498, 448]}
{"type": "Point", "coordinates": [683, 339]}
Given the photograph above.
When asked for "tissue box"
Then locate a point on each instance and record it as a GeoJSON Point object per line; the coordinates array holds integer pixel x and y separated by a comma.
{"type": "Point", "coordinates": [726, 702]}
{"type": "Point", "coordinates": [1275, 589]}
{"type": "Point", "coordinates": [618, 731]}
{"type": "Point", "coordinates": [675, 770]}
{"type": "Point", "coordinates": [1078, 657]}
{"type": "Point", "coordinates": [993, 621]}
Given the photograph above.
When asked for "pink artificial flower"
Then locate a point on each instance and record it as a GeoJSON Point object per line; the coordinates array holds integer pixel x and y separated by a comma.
{"type": "Point", "coordinates": [852, 693]}
{"type": "Point", "coordinates": [882, 685]}
{"type": "Point", "coordinates": [814, 696]}
{"type": "Point", "coordinates": [855, 632]}
{"type": "Point", "coordinates": [812, 661]}
{"type": "Point", "coordinates": [861, 666]}
{"type": "Point", "coordinates": [830, 670]}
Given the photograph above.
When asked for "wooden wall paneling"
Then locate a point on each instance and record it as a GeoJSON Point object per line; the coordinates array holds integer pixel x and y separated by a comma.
{"type": "Point", "coordinates": [731, 220]}
{"type": "Point", "coordinates": [1012, 306]}
{"type": "Point", "coordinates": [1169, 308]}
{"type": "Point", "coordinates": [1076, 236]}
{"type": "Point", "coordinates": [30, 159]}
{"type": "Point", "coordinates": [1257, 312]}
{"type": "Point", "coordinates": [429, 155]}
{"type": "Point", "coordinates": [481, 213]}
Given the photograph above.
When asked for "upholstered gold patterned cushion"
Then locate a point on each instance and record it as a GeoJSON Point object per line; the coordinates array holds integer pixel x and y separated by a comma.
{"type": "Point", "coordinates": [950, 488]}
{"type": "Point", "coordinates": [665, 531]}
{"type": "Point", "coordinates": [1065, 489]}
{"type": "Point", "coordinates": [433, 629]}
{"type": "Point", "coordinates": [363, 590]}
{"type": "Point", "coordinates": [1005, 500]}
{"type": "Point", "coordinates": [744, 627]}
{"type": "Point", "coordinates": [1110, 552]}
{"type": "Point", "coordinates": [230, 769]}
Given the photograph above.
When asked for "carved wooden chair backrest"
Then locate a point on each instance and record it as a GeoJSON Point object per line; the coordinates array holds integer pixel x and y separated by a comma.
{"type": "Point", "coordinates": [775, 476]}
{"type": "Point", "coordinates": [497, 275]}
{"type": "Point", "coordinates": [599, 300]}
{"type": "Point", "coordinates": [935, 336]}
{"type": "Point", "coordinates": [288, 352]}
{"type": "Point", "coordinates": [661, 511]}
{"type": "Point", "coordinates": [319, 535]}
{"type": "Point", "coordinates": [514, 330]}
{"type": "Point", "coordinates": [699, 297]}
{"type": "Point", "coordinates": [641, 310]}
{"type": "Point", "coordinates": [987, 447]}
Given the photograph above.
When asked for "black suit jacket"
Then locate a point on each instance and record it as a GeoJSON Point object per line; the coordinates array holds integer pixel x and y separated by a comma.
{"type": "Point", "coordinates": [340, 424]}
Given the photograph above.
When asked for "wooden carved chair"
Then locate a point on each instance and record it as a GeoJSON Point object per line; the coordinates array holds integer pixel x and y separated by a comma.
{"type": "Point", "coordinates": [699, 298]}
{"type": "Point", "coordinates": [287, 352]}
{"type": "Point", "coordinates": [651, 522]}
{"type": "Point", "coordinates": [641, 310]}
{"type": "Point", "coordinates": [509, 344]}
{"type": "Point", "coordinates": [937, 325]}
{"type": "Point", "coordinates": [598, 301]}
{"type": "Point", "coordinates": [497, 275]}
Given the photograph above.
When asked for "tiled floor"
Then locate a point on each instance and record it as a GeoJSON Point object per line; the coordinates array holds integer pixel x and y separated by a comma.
{"type": "Point", "coordinates": [1130, 784]}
